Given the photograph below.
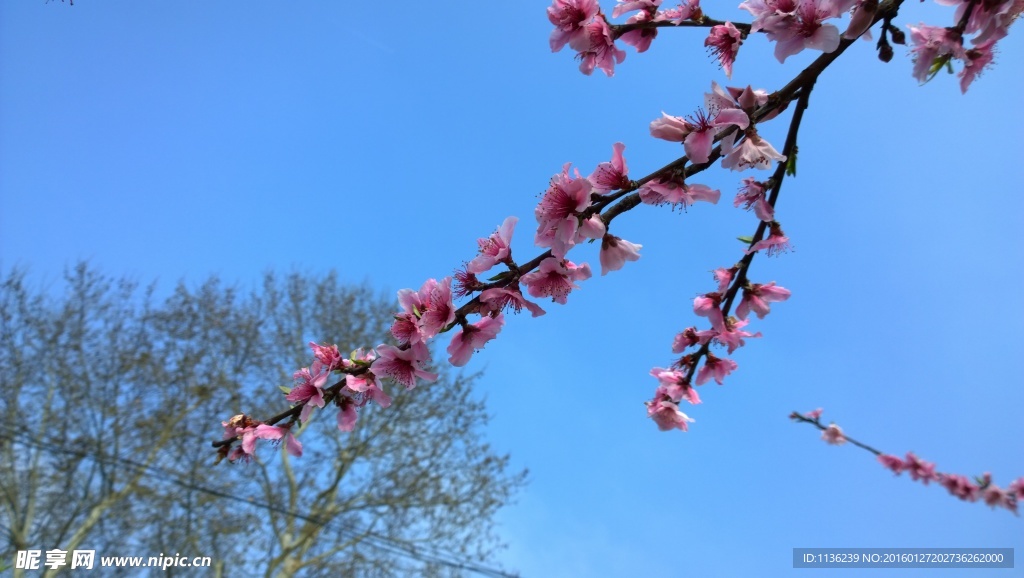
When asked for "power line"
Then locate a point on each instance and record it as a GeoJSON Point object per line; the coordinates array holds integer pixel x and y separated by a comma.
{"type": "Point", "coordinates": [379, 541]}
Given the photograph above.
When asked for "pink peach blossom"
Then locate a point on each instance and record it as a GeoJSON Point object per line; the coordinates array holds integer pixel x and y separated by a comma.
{"type": "Point", "coordinates": [640, 38]}
{"type": "Point", "coordinates": [674, 385]}
{"type": "Point", "coordinates": [438, 310]}
{"type": "Point", "coordinates": [464, 283]}
{"type": "Point", "coordinates": [1016, 488]}
{"type": "Point", "coordinates": [555, 278]}
{"type": "Point", "coordinates": [805, 29]}
{"type": "Point", "coordinates": [892, 462]}
{"type": "Point", "coordinates": [991, 19]}
{"type": "Point", "coordinates": [615, 252]}
{"type": "Point", "coordinates": [833, 434]}
{"type": "Point", "coordinates": [595, 47]}
{"type": "Point", "coordinates": [687, 10]}
{"type": "Point", "coordinates": [707, 305]}
{"type": "Point", "coordinates": [700, 140]}
{"type": "Point", "coordinates": [406, 328]}
{"type": "Point", "coordinates": [756, 298]}
{"type": "Point", "coordinates": [327, 355]}
{"type": "Point", "coordinates": [494, 249]}
{"type": "Point", "coordinates": [666, 414]}
{"type": "Point", "coordinates": [425, 312]}
{"type": "Point", "coordinates": [919, 469]}
{"type": "Point", "coordinates": [777, 242]}
{"type": "Point", "coordinates": [569, 17]}
{"type": "Point", "coordinates": [994, 496]}
{"type": "Point", "coordinates": [690, 337]}
{"type": "Point", "coordinates": [499, 298]}
{"type": "Point", "coordinates": [559, 214]}
{"type": "Point", "coordinates": [362, 382]}
{"type": "Point", "coordinates": [404, 365]}
{"type": "Point", "coordinates": [930, 44]}
{"type": "Point", "coordinates": [753, 194]}
{"type": "Point", "coordinates": [612, 175]}
{"type": "Point", "coordinates": [359, 357]}
{"type": "Point", "coordinates": [675, 191]}
{"type": "Point", "coordinates": [732, 335]}
{"type": "Point", "coordinates": [274, 433]}
{"type": "Point", "coordinates": [724, 277]}
{"type": "Point", "coordinates": [347, 415]}
{"type": "Point", "coordinates": [724, 98]}
{"type": "Point", "coordinates": [767, 13]}
{"type": "Point", "coordinates": [975, 61]}
{"type": "Point", "coordinates": [697, 133]}
{"type": "Point", "coordinates": [376, 394]}
{"type": "Point", "coordinates": [863, 17]}
{"type": "Point", "coordinates": [241, 427]}
{"type": "Point", "coordinates": [796, 24]}
{"type": "Point", "coordinates": [623, 6]}
{"type": "Point", "coordinates": [308, 388]}
{"type": "Point", "coordinates": [670, 128]}
{"type": "Point", "coordinates": [752, 153]}
{"type": "Point", "coordinates": [959, 486]}
{"type": "Point", "coordinates": [473, 337]}
{"type": "Point", "coordinates": [715, 367]}
{"type": "Point", "coordinates": [724, 43]}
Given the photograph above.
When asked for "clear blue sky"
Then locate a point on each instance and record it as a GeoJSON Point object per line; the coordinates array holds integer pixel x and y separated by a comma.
{"type": "Point", "coordinates": [180, 139]}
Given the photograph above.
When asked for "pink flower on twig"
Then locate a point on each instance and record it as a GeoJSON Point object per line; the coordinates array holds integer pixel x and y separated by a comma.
{"type": "Point", "coordinates": [611, 175]}
{"type": "Point", "coordinates": [555, 279]}
{"type": "Point", "coordinates": [724, 42]}
{"type": "Point", "coordinates": [615, 252]}
{"type": "Point", "coordinates": [473, 337]}
{"type": "Point", "coordinates": [569, 17]}
{"type": "Point", "coordinates": [403, 365]}
{"type": "Point", "coordinates": [833, 435]}
{"type": "Point", "coordinates": [494, 249]}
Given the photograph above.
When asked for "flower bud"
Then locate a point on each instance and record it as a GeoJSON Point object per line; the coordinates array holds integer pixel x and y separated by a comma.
{"type": "Point", "coordinates": [898, 37]}
{"type": "Point", "coordinates": [885, 52]}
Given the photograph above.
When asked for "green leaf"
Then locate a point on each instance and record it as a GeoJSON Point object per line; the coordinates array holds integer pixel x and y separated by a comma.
{"type": "Point", "coordinates": [937, 65]}
{"type": "Point", "coordinates": [286, 390]}
{"type": "Point", "coordinates": [791, 163]}
{"type": "Point", "coordinates": [747, 240]}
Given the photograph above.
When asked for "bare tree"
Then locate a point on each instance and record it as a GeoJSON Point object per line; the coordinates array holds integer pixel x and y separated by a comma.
{"type": "Point", "coordinates": [106, 446]}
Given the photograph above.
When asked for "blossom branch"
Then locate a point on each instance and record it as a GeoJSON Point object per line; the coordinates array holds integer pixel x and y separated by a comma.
{"type": "Point", "coordinates": [621, 201]}
{"type": "Point", "coordinates": [813, 418]}
{"type": "Point", "coordinates": [740, 279]}
{"type": "Point", "coordinates": [575, 208]}
{"type": "Point", "coordinates": [703, 22]}
{"type": "Point", "coordinates": [920, 470]}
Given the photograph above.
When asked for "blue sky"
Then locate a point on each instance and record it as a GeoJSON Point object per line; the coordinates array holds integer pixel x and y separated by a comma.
{"type": "Point", "coordinates": [177, 140]}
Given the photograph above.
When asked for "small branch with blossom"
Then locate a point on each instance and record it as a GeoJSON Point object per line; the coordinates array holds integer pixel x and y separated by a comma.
{"type": "Point", "coordinates": [572, 210]}
{"type": "Point", "coordinates": [576, 208]}
{"type": "Point", "coordinates": [676, 383]}
{"type": "Point", "coordinates": [981, 488]}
